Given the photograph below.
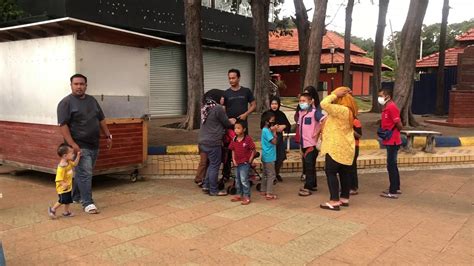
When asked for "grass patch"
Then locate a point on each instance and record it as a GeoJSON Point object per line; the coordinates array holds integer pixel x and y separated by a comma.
{"type": "Point", "coordinates": [364, 103]}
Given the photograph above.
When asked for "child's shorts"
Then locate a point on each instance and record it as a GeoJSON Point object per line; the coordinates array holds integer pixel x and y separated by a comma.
{"type": "Point", "coordinates": [65, 198]}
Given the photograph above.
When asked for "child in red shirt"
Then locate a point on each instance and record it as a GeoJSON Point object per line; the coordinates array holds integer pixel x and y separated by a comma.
{"type": "Point", "coordinates": [243, 152]}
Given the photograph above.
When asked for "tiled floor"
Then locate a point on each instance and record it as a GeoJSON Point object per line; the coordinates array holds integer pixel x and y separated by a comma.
{"type": "Point", "coordinates": [171, 222]}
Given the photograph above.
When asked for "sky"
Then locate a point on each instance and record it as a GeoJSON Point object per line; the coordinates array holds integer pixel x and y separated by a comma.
{"type": "Point", "coordinates": [364, 16]}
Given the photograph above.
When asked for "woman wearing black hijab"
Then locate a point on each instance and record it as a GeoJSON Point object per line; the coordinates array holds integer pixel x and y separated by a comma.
{"type": "Point", "coordinates": [283, 126]}
{"type": "Point", "coordinates": [214, 121]}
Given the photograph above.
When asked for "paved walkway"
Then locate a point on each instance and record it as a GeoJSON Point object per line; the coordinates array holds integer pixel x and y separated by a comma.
{"type": "Point", "coordinates": [172, 222]}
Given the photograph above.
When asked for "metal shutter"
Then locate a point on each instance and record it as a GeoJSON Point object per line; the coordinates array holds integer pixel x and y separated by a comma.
{"type": "Point", "coordinates": [167, 81]}
{"type": "Point", "coordinates": [218, 62]}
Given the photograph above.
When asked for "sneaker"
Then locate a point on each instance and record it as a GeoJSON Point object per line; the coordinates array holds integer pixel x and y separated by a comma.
{"type": "Point", "coordinates": [387, 191]}
{"type": "Point", "coordinates": [389, 196]}
{"type": "Point", "coordinates": [51, 213]}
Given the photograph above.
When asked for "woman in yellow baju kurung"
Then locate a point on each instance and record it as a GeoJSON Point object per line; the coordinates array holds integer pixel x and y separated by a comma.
{"type": "Point", "coordinates": [338, 145]}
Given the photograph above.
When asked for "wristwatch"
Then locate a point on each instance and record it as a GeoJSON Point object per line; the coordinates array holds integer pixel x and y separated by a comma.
{"type": "Point", "coordinates": [109, 136]}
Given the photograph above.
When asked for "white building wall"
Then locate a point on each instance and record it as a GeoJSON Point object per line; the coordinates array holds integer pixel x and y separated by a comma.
{"type": "Point", "coordinates": [114, 70]}
{"type": "Point", "coordinates": [34, 77]}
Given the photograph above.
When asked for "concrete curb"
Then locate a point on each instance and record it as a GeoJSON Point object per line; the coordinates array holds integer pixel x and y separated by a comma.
{"type": "Point", "coordinates": [365, 144]}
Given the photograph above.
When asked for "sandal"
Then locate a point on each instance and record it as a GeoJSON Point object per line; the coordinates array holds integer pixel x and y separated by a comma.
{"type": "Point", "coordinates": [344, 204]}
{"type": "Point", "coordinates": [68, 214]}
{"type": "Point", "coordinates": [51, 213]}
{"type": "Point", "coordinates": [236, 199]}
{"type": "Point", "coordinates": [304, 192]}
{"type": "Point", "coordinates": [91, 209]}
{"type": "Point", "coordinates": [354, 192]}
{"type": "Point", "coordinates": [245, 201]}
{"type": "Point", "coordinates": [328, 206]}
{"type": "Point", "coordinates": [270, 197]}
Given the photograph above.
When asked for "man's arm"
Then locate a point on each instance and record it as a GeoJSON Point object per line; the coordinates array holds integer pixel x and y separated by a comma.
{"type": "Point", "coordinates": [253, 106]}
{"type": "Point", "coordinates": [66, 133]}
{"type": "Point", "coordinates": [105, 129]}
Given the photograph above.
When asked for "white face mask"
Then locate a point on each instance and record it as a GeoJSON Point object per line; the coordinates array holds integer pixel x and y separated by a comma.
{"type": "Point", "coordinates": [381, 100]}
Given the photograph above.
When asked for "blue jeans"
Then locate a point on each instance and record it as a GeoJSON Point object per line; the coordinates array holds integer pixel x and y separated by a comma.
{"type": "Point", "coordinates": [82, 184]}
{"type": "Point", "coordinates": [214, 155]}
{"type": "Point", "coordinates": [392, 168]}
{"type": "Point", "coordinates": [242, 184]}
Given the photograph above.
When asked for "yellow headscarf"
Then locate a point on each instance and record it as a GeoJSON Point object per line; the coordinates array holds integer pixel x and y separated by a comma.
{"type": "Point", "coordinates": [348, 101]}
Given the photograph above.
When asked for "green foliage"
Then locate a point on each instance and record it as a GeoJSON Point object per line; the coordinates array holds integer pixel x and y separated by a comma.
{"type": "Point", "coordinates": [9, 10]}
{"type": "Point", "coordinates": [430, 35]}
{"type": "Point", "coordinates": [365, 44]}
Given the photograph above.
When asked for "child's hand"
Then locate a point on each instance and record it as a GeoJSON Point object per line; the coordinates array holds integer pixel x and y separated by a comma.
{"type": "Point", "coordinates": [65, 186]}
{"type": "Point", "coordinates": [78, 154]}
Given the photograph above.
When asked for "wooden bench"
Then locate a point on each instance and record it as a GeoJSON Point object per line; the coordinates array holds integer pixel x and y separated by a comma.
{"type": "Point", "coordinates": [430, 139]}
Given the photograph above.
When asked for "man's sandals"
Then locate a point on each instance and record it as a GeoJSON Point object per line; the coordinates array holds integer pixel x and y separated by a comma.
{"type": "Point", "coordinates": [304, 192]}
{"type": "Point", "coordinates": [91, 209]}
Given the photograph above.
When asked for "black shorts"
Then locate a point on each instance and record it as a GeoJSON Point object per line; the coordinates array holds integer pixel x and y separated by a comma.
{"type": "Point", "coordinates": [65, 198]}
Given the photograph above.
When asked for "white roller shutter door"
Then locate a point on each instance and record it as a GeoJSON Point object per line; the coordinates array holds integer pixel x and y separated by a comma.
{"type": "Point", "coordinates": [218, 62]}
{"type": "Point", "coordinates": [167, 81]}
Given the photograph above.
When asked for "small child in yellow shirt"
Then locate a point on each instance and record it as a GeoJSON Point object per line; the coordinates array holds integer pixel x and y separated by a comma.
{"type": "Point", "coordinates": [64, 175]}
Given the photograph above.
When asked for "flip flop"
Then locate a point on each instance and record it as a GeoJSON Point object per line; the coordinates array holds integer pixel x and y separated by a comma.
{"type": "Point", "coordinates": [68, 214]}
{"type": "Point", "coordinates": [344, 204]}
{"type": "Point", "coordinates": [354, 192]}
{"type": "Point", "coordinates": [304, 193]}
{"type": "Point", "coordinates": [328, 206]}
{"type": "Point", "coordinates": [271, 197]}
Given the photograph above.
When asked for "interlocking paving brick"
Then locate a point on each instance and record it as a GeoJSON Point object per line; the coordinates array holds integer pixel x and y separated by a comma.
{"type": "Point", "coordinates": [302, 223]}
{"type": "Point", "coordinates": [123, 253]}
{"type": "Point", "coordinates": [70, 234]}
{"type": "Point", "coordinates": [187, 230]}
{"type": "Point", "coordinates": [134, 217]}
{"type": "Point", "coordinates": [130, 232]}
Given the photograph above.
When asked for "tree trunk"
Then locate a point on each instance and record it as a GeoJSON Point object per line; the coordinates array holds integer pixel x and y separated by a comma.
{"type": "Point", "coordinates": [347, 44]}
{"type": "Point", "coordinates": [194, 64]}
{"type": "Point", "coordinates": [260, 9]}
{"type": "Point", "coordinates": [313, 65]}
{"type": "Point", "coordinates": [378, 54]}
{"type": "Point", "coordinates": [302, 24]}
{"type": "Point", "coordinates": [442, 54]}
{"type": "Point", "coordinates": [411, 32]}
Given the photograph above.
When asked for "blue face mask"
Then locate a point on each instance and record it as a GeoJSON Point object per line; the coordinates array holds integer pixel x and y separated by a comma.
{"type": "Point", "coordinates": [304, 106]}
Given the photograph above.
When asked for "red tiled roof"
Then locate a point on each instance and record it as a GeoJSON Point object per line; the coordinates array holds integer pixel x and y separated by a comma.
{"type": "Point", "coordinates": [289, 43]}
{"type": "Point", "coordinates": [466, 36]}
{"type": "Point", "coordinates": [432, 59]}
{"type": "Point", "coordinates": [294, 60]}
